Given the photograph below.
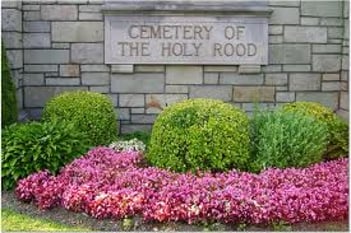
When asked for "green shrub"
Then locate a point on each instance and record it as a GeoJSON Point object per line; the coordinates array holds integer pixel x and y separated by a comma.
{"type": "Point", "coordinates": [337, 128]}
{"type": "Point", "coordinates": [92, 113]}
{"type": "Point", "coordinates": [27, 148]}
{"type": "Point", "coordinates": [140, 135]}
{"type": "Point", "coordinates": [285, 139]}
{"type": "Point", "coordinates": [200, 134]}
{"type": "Point", "coordinates": [9, 110]}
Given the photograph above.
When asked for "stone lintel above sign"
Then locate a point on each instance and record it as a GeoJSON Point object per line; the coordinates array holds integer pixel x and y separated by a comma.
{"type": "Point", "coordinates": [174, 32]}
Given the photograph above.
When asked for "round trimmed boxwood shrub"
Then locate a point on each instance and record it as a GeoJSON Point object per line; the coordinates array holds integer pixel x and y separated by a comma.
{"type": "Point", "coordinates": [200, 134]}
{"type": "Point", "coordinates": [337, 128]}
{"type": "Point", "coordinates": [286, 139]}
{"type": "Point", "coordinates": [92, 113]}
{"type": "Point", "coordinates": [9, 110]}
{"type": "Point", "coordinates": [30, 147]}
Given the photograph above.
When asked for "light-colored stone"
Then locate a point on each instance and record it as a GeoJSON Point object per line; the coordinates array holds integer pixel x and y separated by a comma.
{"type": "Point", "coordinates": [331, 22]}
{"type": "Point", "coordinates": [335, 32]}
{"type": "Point", "coordinates": [137, 83]}
{"type": "Point", "coordinates": [127, 128]}
{"type": "Point", "coordinates": [100, 89]}
{"type": "Point", "coordinates": [184, 74]}
{"type": "Point", "coordinates": [327, 48]}
{"type": "Point", "coordinates": [276, 79]}
{"type": "Point", "coordinates": [331, 77]}
{"type": "Point", "coordinates": [344, 100]}
{"type": "Point", "coordinates": [345, 62]}
{"type": "Point", "coordinates": [36, 26]}
{"type": "Point", "coordinates": [335, 41]}
{"type": "Point", "coordinates": [249, 69]}
{"type": "Point", "coordinates": [51, 74]}
{"type": "Point", "coordinates": [296, 68]}
{"type": "Point", "coordinates": [69, 70]}
{"type": "Point", "coordinates": [137, 110]}
{"type": "Point", "coordinates": [89, 8]}
{"type": "Point", "coordinates": [40, 68]}
{"type": "Point", "coordinates": [46, 56]}
{"type": "Point", "coordinates": [12, 40]}
{"type": "Point", "coordinates": [310, 21]}
{"type": "Point", "coordinates": [177, 89]}
{"type": "Point", "coordinates": [289, 54]}
{"type": "Point", "coordinates": [329, 99]}
{"type": "Point", "coordinates": [286, 3]}
{"type": "Point", "coordinates": [326, 63]}
{"type": "Point", "coordinates": [253, 94]}
{"type": "Point", "coordinates": [131, 100]}
{"type": "Point", "coordinates": [95, 78]}
{"type": "Point", "coordinates": [33, 79]}
{"type": "Point", "coordinates": [331, 86]}
{"type": "Point", "coordinates": [143, 118]}
{"type": "Point", "coordinates": [304, 82]}
{"type": "Point", "coordinates": [95, 68]}
{"type": "Point", "coordinates": [275, 39]}
{"type": "Point", "coordinates": [155, 103]}
{"type": "Point", "coordinates": [114, 99]}
{"type": "Point", "coordinates": [62, 81]}
{"type": "Point", "coordinates": [275, 29]}
{"type": "Point", "coordinates": [214, 92]}
{"type": "Point", "coordinates": [90, 16]}
{"type": "Point", "coordinates": [60, 45]}
{"type": "Point", "coordinates": [149, 68]}
{"type": "Point", "coordinates": [38, 96]}
{"type": "Point", "coordinates": [122, 69]}
{"type": "Point", "coordinates": [11, 4]}
{"type": "Point", "coordinates": [272, 68]}
{"type": "Point", "coordinates": [240, 79]}
{"type": "Point", "coordinates": [297, 34]}
{"type": "Point", "coordinates": [285, 15]}
{"type": "Point", "coordinates": [31, 15]}
{"type": "Point", "coordinates": [72, 1]}
{"type": "Point", "coordinates": [124, 114]}
{"type": "Point", "coordinates": [11, 20]}
{"type": "Point", "coordinates": [36, 40]}
{"type": "Point", "coordinates": [15, 58]}
{"type": "Point", "coordinates": [86, 53]}
{"type": "Point", "coordinates": [321, 8]}
{"type": "Point", "coordinates": [285, 97]}
{"type": "Point", "coordinates": [77, 31]}
{"type": "Point", "coordinates": [59, 12]}
{"type": "Point", "coordinates": [344, 114]}
{"type": "Point", "coordinates": [211, 78]}
{"type": "Point", "coordinates": [31, 7]}
{"type": "Point", "coordinates": [220, 69]}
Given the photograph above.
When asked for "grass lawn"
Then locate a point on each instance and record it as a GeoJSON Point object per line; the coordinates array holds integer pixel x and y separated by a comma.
{"type": "Point", "coordinates": [14, 221]}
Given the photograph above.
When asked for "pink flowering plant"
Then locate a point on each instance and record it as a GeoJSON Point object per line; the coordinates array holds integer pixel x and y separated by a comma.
{"type": "Point", "coordinates": [109, 184]}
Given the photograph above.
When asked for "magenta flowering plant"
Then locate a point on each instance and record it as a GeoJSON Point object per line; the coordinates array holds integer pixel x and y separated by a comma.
{"type": "Point", "coordinates": [109, 184]}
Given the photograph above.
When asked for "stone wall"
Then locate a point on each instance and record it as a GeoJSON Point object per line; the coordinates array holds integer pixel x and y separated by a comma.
{"type": "Point", "coordinates": [58, 45]}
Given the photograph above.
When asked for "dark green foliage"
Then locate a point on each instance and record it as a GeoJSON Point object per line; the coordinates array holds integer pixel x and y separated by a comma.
{"type": "Point", "coordinates": [92, 113]}
{"type": "Point", "coordinates": [27, 148]}
{"type": "Point", "coordinates": [140, 135]}
{"type": "Point", "coordinates": [9, 110]}
{"type": "Point", "coordinates": [285, 139]}
{"type": "Point", "coordinates": [338, 129]}
{"type": "Point", "coordinates": [200, 134]}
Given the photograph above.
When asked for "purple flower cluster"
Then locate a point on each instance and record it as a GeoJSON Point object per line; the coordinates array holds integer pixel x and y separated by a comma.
{"type": "Point", "coordinates": [109, 184]}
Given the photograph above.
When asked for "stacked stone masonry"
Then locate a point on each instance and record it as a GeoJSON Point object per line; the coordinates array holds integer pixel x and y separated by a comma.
{"type": "Point", "coordinates": [58, 45]}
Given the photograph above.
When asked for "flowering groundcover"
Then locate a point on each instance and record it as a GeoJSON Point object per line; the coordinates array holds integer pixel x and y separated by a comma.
{"type": "Point", "coordinates": [109, 184]}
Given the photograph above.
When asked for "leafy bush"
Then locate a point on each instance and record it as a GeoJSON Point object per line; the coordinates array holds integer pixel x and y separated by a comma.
{"type": "Point", "coordinates": [140, 135]}
{"type": "Point", "coordinates": [92, 113]}
{"type": "Point", "coordinates": [337, 128]}
{"type": "Point", "coordinates": [27, 148]}
{"type": "Point", "coordinates": [285, 139]}
{"type": "Point", "coordinates": [9, 110]}
{"type": "Point", "coordinates": [200, 134]}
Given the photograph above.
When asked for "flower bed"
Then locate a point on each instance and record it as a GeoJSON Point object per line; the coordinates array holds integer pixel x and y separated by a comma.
{"type": "Point", "coordinates": [109, 184]}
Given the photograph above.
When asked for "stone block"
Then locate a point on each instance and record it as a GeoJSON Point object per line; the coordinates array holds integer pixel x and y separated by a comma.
{"type": "Point", "coordinates": [137, 110]}
{"type": "Point", "coordinates": [331, 22]}
{"type": "Point", "coordinates": [59, 12]}
{"type": "Point", "coordinates": [321, 8]}
{"type": "Point", "coordinates": [344, 114]}
{"type": "Point", "coordinates": [36, 26]}
{"type": "Point", "coordinates": [15, 58]}
{"type": "Point", "coordinates": [143, 118]}
{"type": "Point", "coordinates": [31, 7]}
{"type": "Point", "coordinates": [335, 41]}
{"type": "Point", "coordinates": [95, 68]}
{"type": "Point", "coordinates": [335, 32]}
{"type": "Point", "coordinates": [11, 20]}
{"type": "Point", "coordinates": [36, 40]}
{"type": "Point", "coordinates": [131, 100]}
{"type": "Point", "coordinates": [292, 3]}
{"type": "Point", "coordinates": [137, 83]}
{"type": "Point", "coordinates": [95, 78]}
{"type": "Point", "coordinates": [155, 103]}
{"type": "Point", "coordinates": [11, 4]}
{"type": "Point", "coordinates": [296, 68]}
{"type": "Point", "coordinates": [253, 94]}
{"type": "Point", "coordinates": [69, 70]}
{"type": "Point", "coordinates": [33, 79]}
{"type": "Point", "coordinates": [331, 77]}
{"type": "Point", "coordinates": [331, 86]}
{"type": "Point", "coordinates": [249, 69]}
{"type": "Point", "coordinates": [310, 21]}
{"type": "Point", "coordinates": [304, 82]}
{"type": "Point", "coordinates": [345, 63]}
{"type": "Point", "coordinates": [326, 48]}
{"type": "Point", "coordinates": [289, 54]}
{"type": "Point", "coordinates": [241, 79]}
{"type": "Point", "coordinates": [211, 78]}
{"type": "Point", "coordinates": [31, 15]}
{"type": "Point", "coordinates": [40, 68]}
{"type": "Point", "coordinates": [177, 89]}
{"type": "Point", "coordinates": [213, 92]}
{"type": "Point", "coordinates": [329, 99]}
{"type": "Point", "coordinates": [122, 69]}
{"type": "Point", "coordinates": [326, 63]}
{"type": "Point", "coordinates": [90, 16]}
{"type": "Point", "coordinates": [285, 15]}
{"type": "Point", "coordinates": [123, 114]}
{"type": "Point", "coordinates": [12, 40]}
{"type": "Point", "coordinates": [149, 68]}
{"type": "Point", "coordinates": [89, 8]}
{"type": "Point", "coordinates": [60, 45]}
{"type": "Point", "coordinates": [230, 69]}
{"type": "Point", "coordinates": [344, 100]}
{"type": "Point", "coordinates": [86, 53]}
{"type": "Point", "coordinates": [276, 79]}
{"type": "Point", "coordinates": [36, 97]}
{"type": "Point", "coordinates": [46, 56]}
{"type": "Point", "coordinates": [77, 32]}
{"type": "Point", "coordinates": [51, 74]}
{"type": "Point", "coordinates": [72, 1]}
{"type": "Point", "coordinates": [298, 34]}
{"type": "Point", "coordinates": [114, 99]}
{"type": "Point", "coordinates": [285, 97]}
{"type": "Point", "coordinates": [100, 89]}
{"type": "Point", "coordinates": [184, 74]}
{"type": "Point", "coordinates": [62, 81]}
{"type": "Point", "coordinates": [275, 39]}
{"type": "Point", "coordinates": [127, 128]}
{"type": "Point", "coordinates": [272, 68]}
{"type": "Point", "coordinates": [275, 30]}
